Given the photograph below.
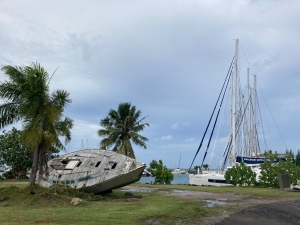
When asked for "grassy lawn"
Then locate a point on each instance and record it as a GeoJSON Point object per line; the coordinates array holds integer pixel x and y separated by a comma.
{"type": "Point", "coordinates": [51, 206]}
{"type": "Point", "coordinates": [19, 206]}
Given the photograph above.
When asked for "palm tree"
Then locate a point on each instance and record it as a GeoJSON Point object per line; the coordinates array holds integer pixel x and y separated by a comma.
{"type": "Point", "coordinates": [121, 126]}
{"type": "Point", "coordinates": [27, 99]}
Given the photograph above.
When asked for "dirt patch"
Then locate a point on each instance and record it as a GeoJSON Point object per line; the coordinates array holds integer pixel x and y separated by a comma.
{"type": "Point", "coordinates": [200, 195]}
{"type": "Point", "coordinates": [227, 203]}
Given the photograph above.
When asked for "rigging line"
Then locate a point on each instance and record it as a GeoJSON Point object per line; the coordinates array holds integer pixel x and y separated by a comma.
{"type": "Point", "coordinates": [230, 68]}
{"type": "Point", "coordinates": [217, 137]}
{"type": "Point", "coordinates": [246, 58]}
{"type": "Point", "coordinates": [271, 115]}
{"type": "Point", "coordinates": [258, 143]}
{"type": "Point", "coordinates": [210, 139]}
{"type": "Point", "coordinates": [215, 122]}
{"type": "Point", "coordinates": [239, 124]}
{"type": "Point", "coordinates": [226, 157]}
{"type": "Point", "coordinates": [262, 125]}
{"type": "Point", "coordinates": [257, 139]}
{"type": "Point", "coordinates": [224, 153]}
{"type": "Point", "coordinates": [225, 149]}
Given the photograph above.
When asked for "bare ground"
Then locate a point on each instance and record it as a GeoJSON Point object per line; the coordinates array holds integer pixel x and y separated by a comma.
{"type": "Point", "coordinates": [237, 208]}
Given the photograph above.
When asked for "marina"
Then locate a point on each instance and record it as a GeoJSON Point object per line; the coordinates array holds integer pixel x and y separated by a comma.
{"type": "Point", "coordinates": [178, 179]}
{"type": "Point", "coordinates": [245, 143]}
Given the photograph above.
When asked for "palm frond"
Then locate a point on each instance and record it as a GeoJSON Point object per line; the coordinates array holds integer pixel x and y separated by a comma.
{"type": "Point", "coordinates": [139, 140]}
{"type": "Point", "coordinates": [139, 127]}
{"type": "Point", "coordinates": [9, 114]}
{"type": "Point", "coordinates": [16, 74]}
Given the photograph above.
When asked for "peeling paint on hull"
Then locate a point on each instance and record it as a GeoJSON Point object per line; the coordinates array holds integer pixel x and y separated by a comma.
{"type": "Point", "coordinates": [97, 170]}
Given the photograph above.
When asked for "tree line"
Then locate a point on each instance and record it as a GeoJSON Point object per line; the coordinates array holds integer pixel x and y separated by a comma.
{"type": "Point", "coordinates": [27, 99]}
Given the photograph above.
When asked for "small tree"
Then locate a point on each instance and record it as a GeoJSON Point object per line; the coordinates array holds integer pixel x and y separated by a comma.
{"type": "Point", "coordinates": [241, 175]}
{"type": "Point", "coordinates": [196, 167]}
{"type": "Point", "coordinates": [270, 169]}
{"type": "Point", "coordinates": [160, 172]}
{"type": "Point", "coordinates": [15, 153]}
{"type": "Point", "coordinates": [290, 152]}
{"type": "Point", "coordinates": [289, 167]}
{"type": "Point", "coordinates": [298, 158]}
{"type": "Point", "coordinates": [205, 166]}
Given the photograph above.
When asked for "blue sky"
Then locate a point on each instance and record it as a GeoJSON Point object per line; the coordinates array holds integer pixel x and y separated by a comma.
{"type": "Point", "coordinates": [169, 58]}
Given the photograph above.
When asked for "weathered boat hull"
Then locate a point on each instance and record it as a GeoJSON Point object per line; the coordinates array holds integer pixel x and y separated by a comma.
{"type": "Point", "coordinates": [95, 170]}
{"type": "Point", "coordinates": [120, 181]}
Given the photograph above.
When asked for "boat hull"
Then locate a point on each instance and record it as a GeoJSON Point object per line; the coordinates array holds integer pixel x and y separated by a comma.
{"type": "Point", "coordinates": [117, 182]}
{"type": "Point", "coordinates": [208, 179]}
{"type": "Point", "coordinates": [96, 170]}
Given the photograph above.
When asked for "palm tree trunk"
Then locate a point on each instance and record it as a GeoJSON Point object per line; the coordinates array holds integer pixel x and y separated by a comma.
{"type": "Point", "coordinates": [34, 167]}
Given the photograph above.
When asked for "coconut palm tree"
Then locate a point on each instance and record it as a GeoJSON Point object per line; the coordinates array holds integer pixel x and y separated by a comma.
{"type": "Point", "coordinates": [121, 126]}
{"type": "Point", "coordinates": [27, 99]}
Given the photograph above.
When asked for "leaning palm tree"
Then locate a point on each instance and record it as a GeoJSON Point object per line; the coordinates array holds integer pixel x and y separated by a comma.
{"type": "Point", "coordinates": [121, 126]}
{"type": "Point", "coordinates": [27, 99]}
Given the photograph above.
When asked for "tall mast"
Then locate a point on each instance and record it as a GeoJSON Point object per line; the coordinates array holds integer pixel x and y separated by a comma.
{"type": "Point", "coordinates": [255, 145]}
{"type": "Point", "coordinates": [234, 102]}
{"type": "Point", "coordinates": [249, 112]}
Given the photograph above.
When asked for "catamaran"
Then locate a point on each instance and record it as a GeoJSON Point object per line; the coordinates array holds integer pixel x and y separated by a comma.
{"type": "Point", "coordinates": [242, 142]}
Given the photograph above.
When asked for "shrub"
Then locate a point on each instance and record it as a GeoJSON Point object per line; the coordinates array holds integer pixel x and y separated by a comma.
{"type": "Point", "coordinates": [160, 172]}
{"type": "Point", "coordinates": [241, 175]}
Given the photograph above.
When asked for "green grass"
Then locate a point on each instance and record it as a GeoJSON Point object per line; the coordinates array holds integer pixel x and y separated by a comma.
{"type": "Point", "coordinates": [52, 206]}
{"type": "Point", "coordinates": [19, 206]}
{"type": "Point", "coordinates": [15, 180]}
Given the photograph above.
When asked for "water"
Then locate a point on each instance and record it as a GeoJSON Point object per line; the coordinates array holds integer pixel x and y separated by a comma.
{"type": "Point", "coordinates": [178, 179]}
{"type": "Point", "coordinates": [212, 203]}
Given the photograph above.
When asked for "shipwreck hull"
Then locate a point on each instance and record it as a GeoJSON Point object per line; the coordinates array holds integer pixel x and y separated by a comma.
{"type": "Point", "coordinates": [95, 170]}
{"type": "Point", "coordinates": [120, 181]}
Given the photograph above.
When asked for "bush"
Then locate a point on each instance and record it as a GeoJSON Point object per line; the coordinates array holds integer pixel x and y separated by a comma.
{"type": "Point", "coordinates": [160, 172]}
{"type": "Point", "coordinates": [241, 175]}
{"type": "Point", "coordinates": [270, 169]}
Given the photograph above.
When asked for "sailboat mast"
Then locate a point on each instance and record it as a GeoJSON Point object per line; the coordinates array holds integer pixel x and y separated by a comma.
{"type": "Point", "coordinates": [234, 102]}
{"type": "Point", "coordinates": [249, 112]}
{"type": "Point", "coordinates": [254, 117]}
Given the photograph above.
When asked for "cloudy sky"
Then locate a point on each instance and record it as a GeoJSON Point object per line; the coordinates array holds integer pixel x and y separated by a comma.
{"type": "Point", "coordinates": [168, 58]}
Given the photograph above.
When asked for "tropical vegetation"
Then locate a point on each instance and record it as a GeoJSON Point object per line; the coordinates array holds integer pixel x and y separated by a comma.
{"type": "Point", "coordinates": [297, 158]}
{"type": "Point", "coordinates": [120, 126]}
{"type": "Point", "coordinates": [15, 153]}
{"type": "Point", "coordinates": [270, 170]}
{"type": "Point", "coordinates": [241, 175]}
{"type": "Point", "coordinates": [196, 167]}
{"type": "Point", "coordinates": [27, 99]}
{"type": "Point", "coordinates": [162, 175]}
{"type": "Point", "coordinates": [205, 166]}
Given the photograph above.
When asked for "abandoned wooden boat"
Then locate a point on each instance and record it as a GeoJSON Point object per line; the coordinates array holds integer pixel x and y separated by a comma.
{"type": "Point", "coordinates": [96, 170]}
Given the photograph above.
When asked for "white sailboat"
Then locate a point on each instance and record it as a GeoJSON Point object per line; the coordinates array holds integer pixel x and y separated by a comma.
{"type": "Point", "coordinates": [177, 170]}
{"type": "Point", "coordinates": [242, 143]}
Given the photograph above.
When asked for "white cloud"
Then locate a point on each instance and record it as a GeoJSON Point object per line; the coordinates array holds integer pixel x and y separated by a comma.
{"type": "Point", "coordinates": [189, 140]}
{"type": "Point", "coordinates": [167, 137]}
{"type": "Point", "coordinates": [176, 127]}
